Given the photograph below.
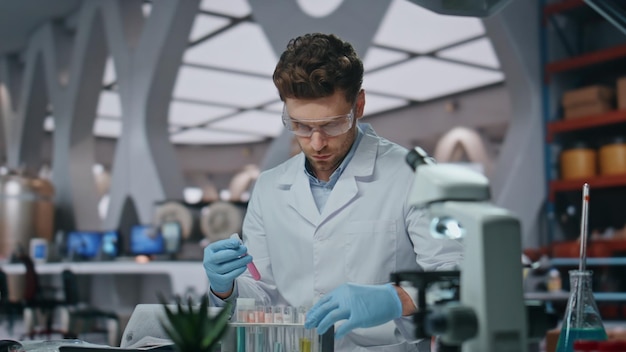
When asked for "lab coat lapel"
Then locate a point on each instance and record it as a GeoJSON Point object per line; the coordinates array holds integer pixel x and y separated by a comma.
{"type": "Point", "coordinates": [357, 170]}
{"type": "Point", "coordinates": [300, 197]}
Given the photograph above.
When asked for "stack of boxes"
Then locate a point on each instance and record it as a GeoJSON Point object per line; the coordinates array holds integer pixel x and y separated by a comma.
{"type": "Point", "coordinates": [588, 101]}
{"type": "Point", "coordinates": [581, 160]}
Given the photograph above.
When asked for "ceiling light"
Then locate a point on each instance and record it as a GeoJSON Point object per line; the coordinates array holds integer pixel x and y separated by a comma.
{"type": "Point", "coordinates": [203, 136]}
{"type": "Point", "coordinates": [413, 28]}
{"type": "Point", "coordinates": [426, 78]}
{"type": "Point", "coordinates": [223, 87]}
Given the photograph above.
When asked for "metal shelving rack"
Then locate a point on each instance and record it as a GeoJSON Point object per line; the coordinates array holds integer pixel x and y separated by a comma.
{"type": "Point", "coordinates": [577, 62]}
{"type": "Point", "coordinates": [574, 64]}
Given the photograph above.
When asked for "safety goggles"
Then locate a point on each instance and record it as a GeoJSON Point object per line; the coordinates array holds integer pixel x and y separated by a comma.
{"type": "Point", "coordinates": [330, 126]}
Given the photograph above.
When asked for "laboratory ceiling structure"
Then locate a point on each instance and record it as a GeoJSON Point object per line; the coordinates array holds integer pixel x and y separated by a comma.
{"type": "Point", "coordinates": [224, 92]}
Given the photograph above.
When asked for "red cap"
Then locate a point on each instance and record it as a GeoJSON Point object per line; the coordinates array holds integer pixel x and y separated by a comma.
{"type": "Point", "coordinates": [612, 346]}
{"type": "Point", "coordinates": [585, 345]}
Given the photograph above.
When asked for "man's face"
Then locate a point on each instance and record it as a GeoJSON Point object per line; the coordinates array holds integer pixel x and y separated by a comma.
{"type": "Point", "coordinates": [324, 152]}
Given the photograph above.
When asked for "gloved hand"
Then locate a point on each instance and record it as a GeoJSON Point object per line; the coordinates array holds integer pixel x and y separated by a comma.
{"type": "Point", "coordinates": [223, 262]}
{"type": "Point", "coordinates": [363, 306]}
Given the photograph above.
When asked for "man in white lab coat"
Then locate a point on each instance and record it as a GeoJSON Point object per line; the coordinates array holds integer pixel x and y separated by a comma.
{"type": "Point", "coordinates": [327, 227]}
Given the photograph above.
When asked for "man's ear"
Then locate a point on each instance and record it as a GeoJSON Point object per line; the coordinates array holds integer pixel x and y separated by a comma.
{"type": "Point", "coordinates": [360, 104]}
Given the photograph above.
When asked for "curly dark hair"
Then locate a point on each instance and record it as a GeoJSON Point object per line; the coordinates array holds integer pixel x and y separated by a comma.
{"type": "Point", "coordinates": [316, 65]}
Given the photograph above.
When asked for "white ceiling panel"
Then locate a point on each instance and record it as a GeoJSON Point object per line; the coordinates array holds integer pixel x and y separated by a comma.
{"type": "Point", "coordinates": [319, 8]}
{"type": "Point", "coordinates": [107, 128]}
{"type": "Point", "coordinates": [275, 107]}
{"type": "Point", "coordinates": [204, 136]}
{"type": "Point", "coordinates": [146, 9]}
{"type": "Point", "coordinates": [235, 8]}
{"type": "Point", "coordinates": [426, 78]}
{"type": "Point", "coordinates": [226, 51]}
{"type": "Point", "coordinates": [411, 27]}
{"type": "Point", "coordinates": [376, 103]}
{"type": "Point", "coordinates": [48, 124]}
{"type": "Point", "coordinates": [377, 57]}
{"type": "Point", "coordinates": [191, 114]}
{"type": "Point", "coordinates": [222, 87]}
{"type": "Point", "coordinates": [109, 72]}
{"type": "Point", "coordinates": [109, 104]}
{"type": "Point", "coordinates": [478, 52]}
{"type": "Point", "coordinates": [252, 121]}
{"type": "Point", "coordinates": [206, 24]}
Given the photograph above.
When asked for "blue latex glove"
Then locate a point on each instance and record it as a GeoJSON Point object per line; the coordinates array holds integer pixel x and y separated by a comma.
{"type": "Point", "coordinates": [223, 262]}
{"type": "Point", "coordinates": [363, 306]}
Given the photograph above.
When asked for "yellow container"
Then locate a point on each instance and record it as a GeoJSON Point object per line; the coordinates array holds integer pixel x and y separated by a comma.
{"type": "Point", "coordinates": [613, 158]}
{"type": "Point", "coordinates": [578, 163]}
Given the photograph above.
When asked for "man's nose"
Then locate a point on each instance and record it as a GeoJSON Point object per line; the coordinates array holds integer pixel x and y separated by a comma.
{"type": "Point", "coordinates": [318, 141]}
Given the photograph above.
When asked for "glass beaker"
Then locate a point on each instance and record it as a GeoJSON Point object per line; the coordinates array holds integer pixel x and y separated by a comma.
{"type": "Point", "coordinates": [582, 319]}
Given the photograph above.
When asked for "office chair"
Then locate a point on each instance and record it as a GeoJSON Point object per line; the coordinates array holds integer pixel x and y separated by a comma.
{"type": "Point", "coordinates": [8, 309]}
{"type": "Point", "coordinates": [80, 317]}
{"type": "Point", "coordinates": [39, 303]}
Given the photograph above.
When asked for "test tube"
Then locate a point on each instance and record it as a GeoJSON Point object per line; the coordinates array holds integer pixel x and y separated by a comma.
{"type": "Point", "coordinates": [241, 331]}
{"type": "Point", "coordinates": [278, 314]}
{"type": "Point", "coordinates": [288, 315]}
{"type": "Point", "coordinates": [251, 314]}
{"type": "Point", "coordinates": [305, 344]}
{"type": "Point", "coordinates": [278, 344]}
{"type": "Point", "coordinates": [301, 314]}
{"type": "Point", "coordinates": [269, 315]}
{"type": "Point", "coordinates": [242, 314]}
{"type": "Point", "coordinates": [260, 314]}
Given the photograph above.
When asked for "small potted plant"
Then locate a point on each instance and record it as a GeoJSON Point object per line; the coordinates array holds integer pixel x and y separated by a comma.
{"type": "Point", "coordinates": [192, 329]}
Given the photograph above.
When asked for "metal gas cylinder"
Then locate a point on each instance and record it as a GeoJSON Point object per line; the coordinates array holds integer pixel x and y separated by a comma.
{"type": "Point", "coordinates": [26, 211]}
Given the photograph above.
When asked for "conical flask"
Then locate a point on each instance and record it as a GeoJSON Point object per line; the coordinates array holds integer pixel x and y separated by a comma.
{"type": "Point", "coordinates": [582, 319]}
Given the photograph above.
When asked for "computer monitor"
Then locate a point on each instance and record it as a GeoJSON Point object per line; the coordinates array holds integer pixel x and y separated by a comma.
{"type": "Point", "coordinates": [83, 244]}
{"type": "Point", "coordinates": [146, 240]}
{"type": "Point", "coordinates": [171, 231]}
{"type": "Point", "coordinates": [110, 244]}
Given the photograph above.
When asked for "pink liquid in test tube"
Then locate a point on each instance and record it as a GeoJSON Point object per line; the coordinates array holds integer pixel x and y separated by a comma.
{"type": "Point", "coordinates": [251, 267]}
{"type": "Point", "coordinates": [253, 271]}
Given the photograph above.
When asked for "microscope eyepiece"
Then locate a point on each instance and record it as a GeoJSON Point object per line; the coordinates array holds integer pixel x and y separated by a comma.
{"type": "Point", "coordinates": [418, 156]}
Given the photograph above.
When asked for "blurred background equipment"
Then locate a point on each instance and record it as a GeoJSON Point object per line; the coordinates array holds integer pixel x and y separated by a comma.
{"type": "Point", "coordinates": [146, 240]}
{"type": "Point", "coordinates": [219, 220]}
{"type": "Point", "coordinates": [184, 215]}
{"type": "Point", "coordinates": [26, 211]}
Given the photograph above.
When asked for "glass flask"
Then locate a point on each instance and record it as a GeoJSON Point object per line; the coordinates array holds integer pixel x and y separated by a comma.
{"type": "Point", "coordinates": [582, 319]}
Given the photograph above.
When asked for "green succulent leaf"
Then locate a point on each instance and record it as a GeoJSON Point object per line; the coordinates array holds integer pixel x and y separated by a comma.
{"type": "Point", "coordinates": [190, 327]}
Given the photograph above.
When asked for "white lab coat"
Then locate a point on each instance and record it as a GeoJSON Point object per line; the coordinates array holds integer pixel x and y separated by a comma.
{"type": "Point", "coordinates": [365, 232]}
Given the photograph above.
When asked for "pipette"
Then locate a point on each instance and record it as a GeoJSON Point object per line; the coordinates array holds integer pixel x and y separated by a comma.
{"type": "Point", "coordinates": [583, 228]}
{"type": "Point", "coordinates": [251, 267]}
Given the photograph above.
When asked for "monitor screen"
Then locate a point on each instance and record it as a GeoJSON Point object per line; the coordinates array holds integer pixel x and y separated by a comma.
{"type": "Point", "coordinates": [110, 244]}
{"type": "Point", "coordinates": [146, 239]}
{"type": "Point", "coordinates": [172, 235]}
{"type": "Point", "coordinates": [83, 244]}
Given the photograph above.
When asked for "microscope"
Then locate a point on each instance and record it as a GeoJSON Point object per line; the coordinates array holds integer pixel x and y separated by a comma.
{"type": "Point", "coordinates": [487, 311]}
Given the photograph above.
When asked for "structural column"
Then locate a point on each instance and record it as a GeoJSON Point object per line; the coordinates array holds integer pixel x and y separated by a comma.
{"type": "Point", "coordinates": [147, 56]}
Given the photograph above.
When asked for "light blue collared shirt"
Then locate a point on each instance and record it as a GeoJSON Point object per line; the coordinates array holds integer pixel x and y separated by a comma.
{"type": "Point", "coordinates": [321, 189]}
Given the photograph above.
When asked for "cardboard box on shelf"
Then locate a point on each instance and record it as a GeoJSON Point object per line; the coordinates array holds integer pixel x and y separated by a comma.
{"type": "Point", "coordinates": [621, 93]}
{"type": "Point", "coordinates": [588, 95]}
{"type": "Point", "coordinates": [588, 109]}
